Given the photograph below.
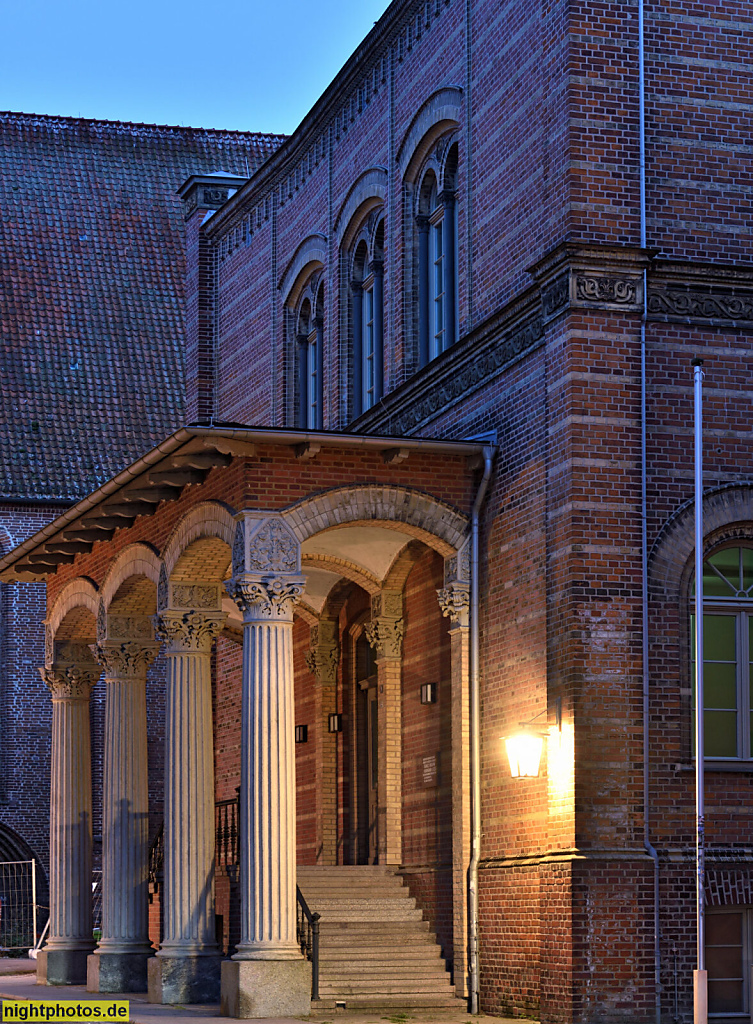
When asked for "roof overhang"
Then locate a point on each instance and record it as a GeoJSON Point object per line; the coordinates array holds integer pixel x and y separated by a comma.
{"type": "Point", "coordinates": [187, 457]}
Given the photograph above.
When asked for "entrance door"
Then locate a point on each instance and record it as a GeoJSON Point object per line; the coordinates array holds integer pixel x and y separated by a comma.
{"type": "Point", "coordinates": [366, 755]}
{"type": "Point", "coordinates": [373, 773]}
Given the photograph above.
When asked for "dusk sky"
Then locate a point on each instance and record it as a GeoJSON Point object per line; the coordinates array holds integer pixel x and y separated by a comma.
{"type": "Point", "coordinates": [253, 66]}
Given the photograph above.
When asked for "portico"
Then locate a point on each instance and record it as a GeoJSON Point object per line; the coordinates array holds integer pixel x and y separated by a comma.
{"type": "Point", "coordinates": [332, 533]}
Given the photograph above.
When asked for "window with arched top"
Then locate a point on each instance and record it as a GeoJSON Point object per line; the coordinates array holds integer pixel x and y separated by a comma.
{"type": "Point", "coordinates": [436, 226]}
{"type": "Point", "coordinates": [309, 329]}
{"type": "Point", "coordinates": [727, 653]}
{"type": "Point", "coordinates": [367, 315]}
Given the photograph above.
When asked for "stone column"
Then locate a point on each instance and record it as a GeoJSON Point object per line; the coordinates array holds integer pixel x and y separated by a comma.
{"type": "Point", "coordinates": [454, 600]}
{"type": "Point", "coordinates": [120, 961]}
{"type": "Point", "coordinates": [267, 977]}
{"type": "Point", "coordinates": [186, 968]}
{"type": "Point", "coordinates": [322, 659]}
{"type": "Point", "coordinates": [385, 634]}
{"type": "Point", "coordinates": [63, 960]}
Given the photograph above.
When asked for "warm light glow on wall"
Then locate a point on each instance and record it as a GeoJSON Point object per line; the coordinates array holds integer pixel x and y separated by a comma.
{"type": "Point", "coordinates": [524, 754]}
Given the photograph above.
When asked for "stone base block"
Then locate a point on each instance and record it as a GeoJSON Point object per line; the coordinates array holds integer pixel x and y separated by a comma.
{"type": "Point", "coordinates": [266, 988]}
{"type": "Point", "coordinates": [117, 972]}
{"type": "Point", "coordinates": [186, 979]}
{"type": "Point", "coordinates": [62, 966]}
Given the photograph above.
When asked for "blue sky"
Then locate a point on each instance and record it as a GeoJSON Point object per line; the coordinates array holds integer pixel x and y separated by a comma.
{"type": "Point", "coordinates": [253, 66]}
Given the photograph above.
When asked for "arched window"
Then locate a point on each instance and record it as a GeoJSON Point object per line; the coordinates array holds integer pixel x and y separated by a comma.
{"type": "Point", "coordinates": [310, 358]}
{"type": "Point", "coordinates": [436, 223]}
{"type": "Point", "coordinates": [727, 653]}
{"type": "Point", "coordinates": [368, 316]}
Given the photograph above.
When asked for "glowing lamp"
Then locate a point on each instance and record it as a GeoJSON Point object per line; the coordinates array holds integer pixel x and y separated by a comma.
{"type": "Point", "coordinates": [524, 754]}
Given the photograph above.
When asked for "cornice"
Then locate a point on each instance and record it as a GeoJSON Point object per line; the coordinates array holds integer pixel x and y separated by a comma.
{"type": "Point", "coordinates": [570, 277]}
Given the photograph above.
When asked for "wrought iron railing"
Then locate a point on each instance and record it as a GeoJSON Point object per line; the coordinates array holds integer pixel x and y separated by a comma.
{"type": "Point", "coordinates": [308, 939]}
{"type": "Point", "coordinates": [226, 833]}
{"type": "Point", "coordinates": [227, 855]}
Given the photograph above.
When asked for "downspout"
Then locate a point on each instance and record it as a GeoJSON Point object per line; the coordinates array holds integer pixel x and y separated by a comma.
{"type": "Point", "coordinates": [475, 739]}
{"type": "Point", "coordinates": [650, 849]}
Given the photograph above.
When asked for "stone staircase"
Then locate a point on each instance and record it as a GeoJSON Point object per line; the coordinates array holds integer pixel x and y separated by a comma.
{"type": "Point", "coordinates": [375, 949]}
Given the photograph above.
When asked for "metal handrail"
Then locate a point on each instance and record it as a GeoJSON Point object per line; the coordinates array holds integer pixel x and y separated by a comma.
{"type": "Point", "coordinates": [308, 938]}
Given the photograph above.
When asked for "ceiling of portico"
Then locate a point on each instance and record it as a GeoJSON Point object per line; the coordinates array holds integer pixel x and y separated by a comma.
{"type": "Point", "coordinates": [371, 548]}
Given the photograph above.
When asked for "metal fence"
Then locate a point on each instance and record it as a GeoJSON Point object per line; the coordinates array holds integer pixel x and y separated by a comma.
{"type": "Point", "coordinates": [18, 905]}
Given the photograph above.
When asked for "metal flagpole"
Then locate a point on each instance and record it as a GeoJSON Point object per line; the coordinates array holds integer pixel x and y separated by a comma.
{"type": "Point", "coordinates": [700, 987]}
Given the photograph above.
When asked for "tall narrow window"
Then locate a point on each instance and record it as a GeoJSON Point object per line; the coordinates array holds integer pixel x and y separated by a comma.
{"type": "Point", "coordinates": [367, 305]}
{"type": "Point", "coordinates": [310, 361]}
{"type": "Point", "coordinates": [727, 653]}
{"type": "Point", "coordinates": [728, 957]}
{"type": "Point", "coordinates": [436, 249]}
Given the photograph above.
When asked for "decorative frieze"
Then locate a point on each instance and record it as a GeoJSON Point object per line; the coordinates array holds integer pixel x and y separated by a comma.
{"type": "Point", "coordinates": [189, 632]}
{"type": "Point", "coordinates": [699, 304]}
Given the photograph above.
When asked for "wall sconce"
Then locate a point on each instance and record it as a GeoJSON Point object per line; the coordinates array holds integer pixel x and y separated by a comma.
{"type": "Point", "coordinates": [336, 723]}
{"type": "Point", "coordinates": [524, 749]}
{"type": "Point", "coordinates": [301, 734]}
{"type": "Point", "coordinates": [429, 693]}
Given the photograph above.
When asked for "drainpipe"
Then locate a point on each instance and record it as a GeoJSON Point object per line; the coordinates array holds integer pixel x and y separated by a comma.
{"type": "Point", "coordinates": [475, 739]}
{"type": "Point", "coordinates": [650, 849]}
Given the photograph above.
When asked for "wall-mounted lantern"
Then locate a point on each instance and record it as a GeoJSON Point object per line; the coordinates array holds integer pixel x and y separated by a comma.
{"type": "Point", "coordinates": [336, 722]}
{"type": "Point", "coordinates": [301, 734]}
{"type": "Point", "coordinates": [429, 693]}
{"type": "Point", "coordinates": [525, 748]}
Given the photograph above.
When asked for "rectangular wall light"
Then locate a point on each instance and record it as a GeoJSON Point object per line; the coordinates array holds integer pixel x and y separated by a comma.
{"type": "Point", "coordinates": [336, 723]}
{"type": "Point", "coordinates": [301, 734]}
{"type": "Point", "coordinates": [429, 693]}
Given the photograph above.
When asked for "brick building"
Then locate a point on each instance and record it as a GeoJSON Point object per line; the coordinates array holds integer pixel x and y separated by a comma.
{"type": "Point", "coordinates": [458, 305]}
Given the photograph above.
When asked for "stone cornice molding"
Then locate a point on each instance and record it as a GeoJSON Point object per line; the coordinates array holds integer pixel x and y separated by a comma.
{"type": "Point", "coordinates": [70, 681]}
{"type": "Point", "coordinates": [455, 602]}
{"type": "Point", "coordinates": [265, 598]}
{"type": "Point", "coordinates": [125, 659]}
{"type": "Point", "coordinates": [584, 277]}
{"type": "Point", "coordinates": [188, 632]}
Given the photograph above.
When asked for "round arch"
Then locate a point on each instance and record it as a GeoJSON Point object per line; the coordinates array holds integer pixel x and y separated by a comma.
{"type": "Point", "coordinates": [438, 524]}
{"type": "Point", "coordinates": [135, 560]}
{"type": "Point", "coordinates": [210, 519]}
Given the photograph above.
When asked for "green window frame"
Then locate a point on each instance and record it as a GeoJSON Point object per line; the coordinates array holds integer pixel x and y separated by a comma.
{"type": "Point", "coordinates": [727, 654]}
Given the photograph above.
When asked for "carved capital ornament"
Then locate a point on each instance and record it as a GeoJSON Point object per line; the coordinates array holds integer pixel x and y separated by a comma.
{"type": "Point", "coordinates": [265, 597]}
{"type": "Point", "coordinates": [70, 682]}
{"type": "Point", "coordinates": [189, 632]}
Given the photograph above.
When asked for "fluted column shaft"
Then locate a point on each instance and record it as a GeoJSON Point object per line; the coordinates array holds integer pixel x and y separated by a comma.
{"type": "Point", "coordinates": [70, 808]}
{"type": "Point", "coordinates": [125, 798]}
{"type": "Point", "coordinates": [189, 785]}
{"type": "Point", "coordinates": [268, 825]}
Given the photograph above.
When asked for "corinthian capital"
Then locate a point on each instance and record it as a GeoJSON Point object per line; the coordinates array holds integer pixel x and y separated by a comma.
{"type": "Point", "coordinates": [125, 659]}
{"type": "Point", "coordinates": [263, 597]}
{"type": "Point", "coordinates": [455, 602]}
{"type": "Point", "coordinates": [386, 637]}
{"type": "Point", "coordinates": [324, 654]}
{"type": "Point", "coordinates": [70, 681]}
{"type": "Point", "coordinates": [189, 632]}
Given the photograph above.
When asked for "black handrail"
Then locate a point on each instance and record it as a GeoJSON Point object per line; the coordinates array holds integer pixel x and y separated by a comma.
{"type": "Point", "coordinates": [308, 937]}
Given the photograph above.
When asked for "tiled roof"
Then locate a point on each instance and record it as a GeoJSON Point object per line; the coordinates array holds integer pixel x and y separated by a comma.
{"type": "Point", "coordinates": [91, 285]}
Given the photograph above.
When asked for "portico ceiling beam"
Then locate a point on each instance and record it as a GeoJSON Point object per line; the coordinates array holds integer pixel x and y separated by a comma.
{"type": "Point", "coordinates": [67, 547]}
{"type": "Point", "coordinates": [101, 520]}
{"type": "Point", "coordinates": [38, 570]}
{"type": "Point", "coordinates": [92, 534]}
{"type": "Point", "coordinates": [48, 558]}
{"type": "Point", "coordinates": [129, 510]}
{"type": "Point", "coordinates": [177, 477]}
{"type": "Point", "coordinates": [154, 495]}
{"type": "Point", "coordinates": [202, 460]}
